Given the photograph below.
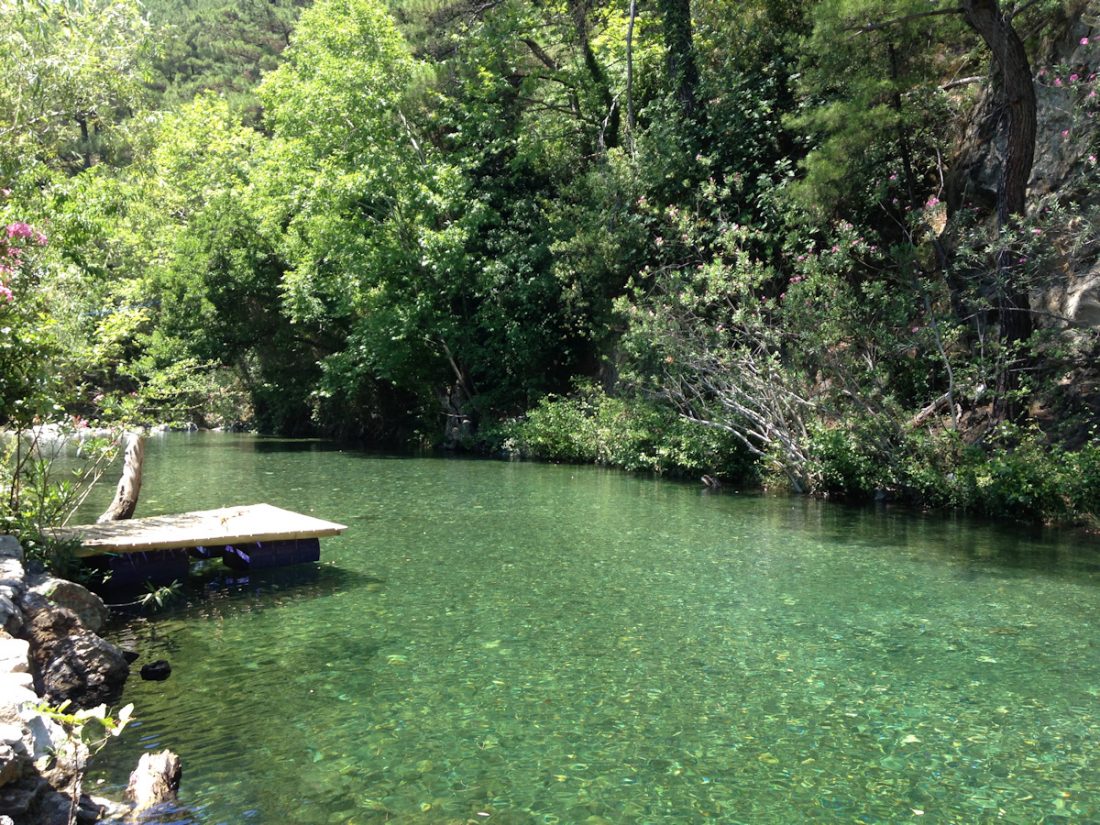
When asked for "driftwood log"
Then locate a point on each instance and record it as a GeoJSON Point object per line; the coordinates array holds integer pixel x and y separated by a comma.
{"type": "Point", "coordinates": [155, 781]}
{"type": "Point", "coordinates": [129, 486]}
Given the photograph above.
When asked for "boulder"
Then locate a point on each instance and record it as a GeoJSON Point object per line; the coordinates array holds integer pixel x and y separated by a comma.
{"type": "Point", "coordinates": [10, 548]}
{"type": "Point", "coordinates": [83, 602]}
{"type": "Point", "coordinates": [69, 661]}
{"type": "Point", "coordinates": [11, 764]}
{"type": "Point", "coordinates": [12, 576]}
{"type": "Point", "coordinates": [11, 618]}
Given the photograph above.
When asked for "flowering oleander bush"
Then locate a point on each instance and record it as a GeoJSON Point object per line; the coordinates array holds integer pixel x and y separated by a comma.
{"type": "Point", "coordinates": [15, 238]}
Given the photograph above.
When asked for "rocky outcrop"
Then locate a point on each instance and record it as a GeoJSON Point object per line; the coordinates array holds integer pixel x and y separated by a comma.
{"type": "Point", "coordinates": [41, 764]}
{"type": "Point", "coordinates": [42, 757]}
{"type": "Point", "coordinates": [1076, 300]}
{"type": "Point", "coordinates": [70, 662]}
{"type": "Point", "coordinates": [87, 606]}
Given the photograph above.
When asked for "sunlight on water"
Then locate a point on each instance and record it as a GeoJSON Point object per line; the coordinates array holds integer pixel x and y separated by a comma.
{"type": "Point", "coordinates": [516, 643]}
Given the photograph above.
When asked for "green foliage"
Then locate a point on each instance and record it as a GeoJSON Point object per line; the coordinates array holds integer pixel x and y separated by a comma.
{"type": "Point", "coordinates": [45, 475]}
{"type": "Point", "coordinates": [216, 45]}
{"type": "Point", "coordinates": [77, 726]}
{"type": "Point", "coordinates": [69, 68]}
{"type": "Point", "coordinates": [593, 427]}
{"type": "Point", "coordinates": [1016, 475]}
{"type": "Point", "coordinates": [428, 218]}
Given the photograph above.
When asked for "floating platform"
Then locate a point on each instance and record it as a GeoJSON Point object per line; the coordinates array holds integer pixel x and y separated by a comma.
{"type": "Point", "coordinates": [160, 548]}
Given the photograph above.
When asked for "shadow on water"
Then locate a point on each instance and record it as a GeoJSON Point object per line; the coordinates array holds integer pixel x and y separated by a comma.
{"type": "Point", "coordinates": [212, 585]}
{"type": "Point", "coordinates": [970, 545]}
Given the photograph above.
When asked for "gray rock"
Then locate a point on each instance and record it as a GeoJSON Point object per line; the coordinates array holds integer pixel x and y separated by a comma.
{"type": "Point", "coordinates": [15, 656]}
{"type": "Point", "coordinates": [10, 548]}
{"type": "Point", "coordinates": [70, 662]}
{"type": "Point", "coordinates": [16, 800]}
{"type": "Point", "coordinates": [156, 671]}
{"type": "Point", "coordinates": [11, 764]}
{"type": "Point", "coordinates": [90, 609]}
{"type": "Point", "coordinates": [10, 681]}
{"type": "Point", "coordinates": [105, 808]}
{"type": "Point", "coordinates": [12, 575]}
{"type": "Point", "coordinates": [13, 696]}
{"type": "Point", "coordinates": [11, 734]}
{"type": "Point", "coordinates": [11, 617]}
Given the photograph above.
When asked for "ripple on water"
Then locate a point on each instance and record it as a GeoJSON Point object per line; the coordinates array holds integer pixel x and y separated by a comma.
{"type": "Point", "coordinates": [519, 643]}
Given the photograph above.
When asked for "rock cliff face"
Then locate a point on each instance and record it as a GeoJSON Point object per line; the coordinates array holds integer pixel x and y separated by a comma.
{"type": "Point", "coordinates": [1065, 159]}
{"type": "Point", "coordinates": [1063, 201]}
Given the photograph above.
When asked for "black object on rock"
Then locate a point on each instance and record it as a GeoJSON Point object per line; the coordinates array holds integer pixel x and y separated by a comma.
{"type": "Point", "coordinates": [156, 671]}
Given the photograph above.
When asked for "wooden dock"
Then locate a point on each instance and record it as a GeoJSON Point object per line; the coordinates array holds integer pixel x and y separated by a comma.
{"type": "Point", "coordinates": [161, 547]}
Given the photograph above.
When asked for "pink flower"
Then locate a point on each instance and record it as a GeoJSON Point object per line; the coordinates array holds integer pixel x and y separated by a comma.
{"type": "Point", "coordinates": [1057, 81]}
{"type": "Point", "coordinates": [1036, 231]}
{"type": "Point", "coordinates": [835, 248]}
{"type": "Point", "coordinates": [1065, 133]}
{"type": "Point", "coordinates": [1073, 78]}
{"type": "Point", "coordinates": [932, 201]}
{"type": "Point", "coordinates": [915, 329]}
{"type": "Point", "coordinates": [894, 176]}
{"type": "Point", "coordinates": [6, 294]}
{"type": "Point", "coordinates": [1084, 41]}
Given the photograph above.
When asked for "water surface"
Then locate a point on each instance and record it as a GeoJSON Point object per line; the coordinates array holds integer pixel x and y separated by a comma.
{"type": "Point", "coordinates": [521, 643]}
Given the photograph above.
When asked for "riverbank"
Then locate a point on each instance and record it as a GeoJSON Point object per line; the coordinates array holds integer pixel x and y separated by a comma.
{"type": "Point", "coordinates": [57, 678]}
{"type": "Point", "coordinates": [1007, 472]}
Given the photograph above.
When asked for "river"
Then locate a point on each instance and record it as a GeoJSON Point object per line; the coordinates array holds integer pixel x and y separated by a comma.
{"type": "Point", "coordinates": [520, 643]}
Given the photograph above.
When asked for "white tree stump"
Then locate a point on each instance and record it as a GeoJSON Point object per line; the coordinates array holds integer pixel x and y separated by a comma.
{"type": "Point", "coordinates": [129, 486]}
{"type": "Point", "coordinates": [156, 780]}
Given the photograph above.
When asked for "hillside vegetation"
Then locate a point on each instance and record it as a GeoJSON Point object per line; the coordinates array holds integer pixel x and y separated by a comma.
{"type": "Point", "coordinates": [843, 246]}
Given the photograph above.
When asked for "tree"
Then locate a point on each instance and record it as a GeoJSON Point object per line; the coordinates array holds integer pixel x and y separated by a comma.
{"type": "Point", "coordinates": [72, 70]}
{"type": "Point", "coordinates": [1016, 96]}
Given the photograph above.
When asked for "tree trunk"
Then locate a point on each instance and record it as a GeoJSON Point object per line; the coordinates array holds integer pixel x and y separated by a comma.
{"type": "Point", "coordinates": [129, 486]}
{"type": "Point", "coordinates": [682, 71]}
{"type": "Point", "coordinates": [609, 124]}
{"type": "Point", "coordinates": [630, 124]}
{"type": "Point", "coordinates": [1020, 119]}
{"type": "Point", "coordinates": [1017, 97]}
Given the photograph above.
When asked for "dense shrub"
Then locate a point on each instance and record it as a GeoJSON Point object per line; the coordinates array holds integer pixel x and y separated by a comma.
{"type": "Point", "coordinates": [1014, 474]}
{"type": "Point", "coordinates": [634, 434]}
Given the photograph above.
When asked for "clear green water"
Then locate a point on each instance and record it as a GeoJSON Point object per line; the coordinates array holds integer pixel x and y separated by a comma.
{"type": "Point", "coordinates": [518, 643]}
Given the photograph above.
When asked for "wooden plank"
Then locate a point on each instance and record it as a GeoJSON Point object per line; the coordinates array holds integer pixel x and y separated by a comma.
{"type": "Point", "coordinates": [228, 525]}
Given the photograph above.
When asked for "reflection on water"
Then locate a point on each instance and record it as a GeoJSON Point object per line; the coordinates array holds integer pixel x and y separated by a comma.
{"type": "Point", "coordinates": [518, 643]}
